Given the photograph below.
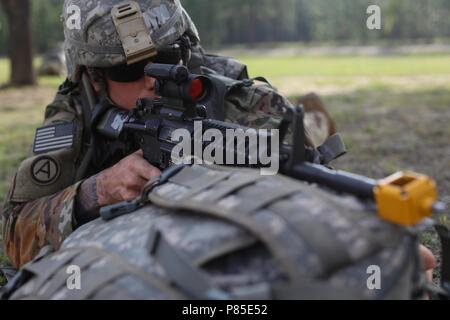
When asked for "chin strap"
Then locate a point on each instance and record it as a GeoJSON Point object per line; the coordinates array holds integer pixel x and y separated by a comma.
{"type": "Point", "coordinates": [94, 104]}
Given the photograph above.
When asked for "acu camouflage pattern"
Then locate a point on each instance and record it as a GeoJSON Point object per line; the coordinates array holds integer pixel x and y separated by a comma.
{"type": "Point", "coordinates": [257, 104]}
{"type": "Point", "coordinates": [97, 43]}
{"type": "Point", "coordinates": [33, 213]}
{"type": "Point", "coordinates": [27, 227]}
{"type": "Point", "coordinates": [36, 215]}
{"type": "Point", "coordinates": [237, 259]}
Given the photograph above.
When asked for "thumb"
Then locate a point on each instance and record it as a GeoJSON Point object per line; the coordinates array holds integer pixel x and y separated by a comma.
{"type": "Point", "coordinates": [428, 259]}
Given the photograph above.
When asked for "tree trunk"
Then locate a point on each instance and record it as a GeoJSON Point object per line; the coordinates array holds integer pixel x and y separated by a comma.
{"type": "Point", "coordinates": [18, 13]}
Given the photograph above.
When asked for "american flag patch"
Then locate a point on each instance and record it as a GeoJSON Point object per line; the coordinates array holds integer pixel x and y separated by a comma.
{"type": "Point", "coordinates": [54, 137]}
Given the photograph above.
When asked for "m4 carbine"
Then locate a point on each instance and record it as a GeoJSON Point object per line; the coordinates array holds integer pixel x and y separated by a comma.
{"type": "Point", "coordinates": [405, 198]}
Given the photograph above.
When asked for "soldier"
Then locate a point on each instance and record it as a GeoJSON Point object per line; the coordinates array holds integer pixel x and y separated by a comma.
{"type": "Point", "coordinates": [72, 171]}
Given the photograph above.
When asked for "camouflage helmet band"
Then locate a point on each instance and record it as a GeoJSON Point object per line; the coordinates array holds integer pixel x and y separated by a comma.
{"type": "Point", "coordinates": [95, 49]}
{"type": "Point", "coordinates": [119, 49]}
{"type": "Point", "coordinates": [162, 30]}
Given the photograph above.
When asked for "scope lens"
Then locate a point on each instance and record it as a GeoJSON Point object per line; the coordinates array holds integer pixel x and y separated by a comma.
{"type": "Point", "coordinates": [196, 89]}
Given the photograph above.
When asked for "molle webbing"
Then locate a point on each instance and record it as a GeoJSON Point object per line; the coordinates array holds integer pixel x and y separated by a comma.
{"type": "Point", "coordinates": [234, 195]}
{"type": "Point", "coordinates": [50, 275]}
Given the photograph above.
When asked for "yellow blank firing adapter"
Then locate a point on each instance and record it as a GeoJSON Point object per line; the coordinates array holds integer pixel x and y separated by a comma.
{"type": "Point", "coordinates": [405, 198]}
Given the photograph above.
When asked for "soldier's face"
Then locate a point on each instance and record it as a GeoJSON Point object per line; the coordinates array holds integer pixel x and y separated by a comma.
{"type": "Point", "coordinates": [128, 84]}
{"type": "Point", "coordinates": [125, 94]}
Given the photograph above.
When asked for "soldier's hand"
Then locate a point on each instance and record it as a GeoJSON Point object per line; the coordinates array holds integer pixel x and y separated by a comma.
{"type": "Point", "coordinates": [428, 262]}
{"type": "Point", "coordinates": [125, 180]}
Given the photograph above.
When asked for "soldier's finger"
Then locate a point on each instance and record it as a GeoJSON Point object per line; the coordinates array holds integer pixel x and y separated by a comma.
{"type": "Point", "coordinates": [144, 169]}
{"type": "Point", "coordinates": [134, 182]}
{"type": "Point", "coordinates": [129, 195]}
{"type": "Point", "coordinates": [428, 259]}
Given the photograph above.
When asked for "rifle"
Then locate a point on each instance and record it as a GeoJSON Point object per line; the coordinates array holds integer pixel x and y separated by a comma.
{"type": "Point", "coordinates": [405, 198]}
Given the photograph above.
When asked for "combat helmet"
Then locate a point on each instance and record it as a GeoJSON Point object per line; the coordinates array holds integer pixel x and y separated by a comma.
{"type": "Point", "coordinates": [110, 33]}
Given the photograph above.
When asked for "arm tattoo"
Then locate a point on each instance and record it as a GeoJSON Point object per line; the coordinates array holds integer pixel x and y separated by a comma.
{"type": "Point", "coordinates": [88, 197]}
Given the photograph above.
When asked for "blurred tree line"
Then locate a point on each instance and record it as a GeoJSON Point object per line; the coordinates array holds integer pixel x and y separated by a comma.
{"type": "Point", "coordinates": [254, 21]}
{"type": "Point", "coordinates": [223, 22]}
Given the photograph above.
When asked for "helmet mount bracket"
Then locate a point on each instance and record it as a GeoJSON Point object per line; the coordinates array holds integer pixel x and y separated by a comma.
{"type": "Point", "coordinates": [133, 32]}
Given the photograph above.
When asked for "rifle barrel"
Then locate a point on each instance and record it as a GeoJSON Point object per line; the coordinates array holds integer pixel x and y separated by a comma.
{"type": "Point", "coordinates": [343, 182]}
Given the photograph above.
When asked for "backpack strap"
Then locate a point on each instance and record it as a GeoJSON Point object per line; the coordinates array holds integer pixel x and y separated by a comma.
{"type": "Point", "coordinates": [180, 271]}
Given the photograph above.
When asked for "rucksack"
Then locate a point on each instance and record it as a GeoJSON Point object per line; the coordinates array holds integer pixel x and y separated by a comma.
{"type": "Point", "coordinates": [225, 233]}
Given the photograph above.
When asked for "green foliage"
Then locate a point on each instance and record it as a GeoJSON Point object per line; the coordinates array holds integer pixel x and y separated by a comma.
{"type": "Point", "coordinates": [46, 26]}
{"type": "Point", "coordinates": [254, 21]}
{"type": "Point", "coordinates": [223, 22]}
{"type": "Point", "coordinates": [48, 29]}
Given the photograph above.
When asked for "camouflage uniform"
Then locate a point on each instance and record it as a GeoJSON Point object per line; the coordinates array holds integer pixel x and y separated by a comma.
{"type": "Point", "coordinates": [36, 214]}
{"type": "Point", "coordinates": [40, 205]}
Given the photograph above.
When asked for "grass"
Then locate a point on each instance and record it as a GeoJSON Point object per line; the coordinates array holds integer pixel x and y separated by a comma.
{"type": "Point", "coordinates": [4, 70]}
{"type": "Point", "coordinates": [349, 66]}
{"type": "Point", "coordinates": [393, 112]}
{"type": "Point", "coordinates": [42, 81]}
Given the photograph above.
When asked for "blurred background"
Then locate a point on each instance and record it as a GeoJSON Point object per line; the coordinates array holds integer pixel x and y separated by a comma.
{"type": "Point", "coordinates": [388, 89]}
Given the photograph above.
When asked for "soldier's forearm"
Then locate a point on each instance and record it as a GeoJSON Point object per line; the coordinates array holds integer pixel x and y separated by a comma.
{"type": "Point", "coordinates": [87, 206]}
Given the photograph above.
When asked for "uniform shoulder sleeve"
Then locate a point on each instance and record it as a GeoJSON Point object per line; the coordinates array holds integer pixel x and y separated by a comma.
{"type": "Point", "coordinates": [205, 63]}
{"type": "Point", "coordinates": [257, 105]}
{"type": "Point", "coordinates": [261, 106]}
{"type": "Point", "coordinates": [55, 153]}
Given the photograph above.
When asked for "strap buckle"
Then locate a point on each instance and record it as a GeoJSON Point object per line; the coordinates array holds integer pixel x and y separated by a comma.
{"type": "Point", "coordinates": [120, 209]}
{"type": "Point", "coordinates": [110, 212]}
